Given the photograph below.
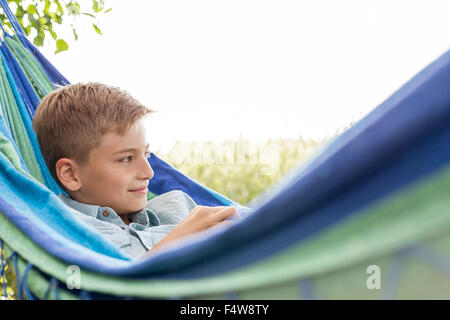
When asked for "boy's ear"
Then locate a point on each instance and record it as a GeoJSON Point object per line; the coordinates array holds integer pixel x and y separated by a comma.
{"type": "Point", "coordinates": [67, 172]}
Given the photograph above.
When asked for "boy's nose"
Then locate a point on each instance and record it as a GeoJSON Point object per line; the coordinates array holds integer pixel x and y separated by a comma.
{"type": "Point", "coordinates": [147, 171]}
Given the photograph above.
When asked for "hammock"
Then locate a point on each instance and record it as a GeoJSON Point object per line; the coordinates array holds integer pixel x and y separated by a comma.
{"type": "Point", "coordinates": [372, 205]}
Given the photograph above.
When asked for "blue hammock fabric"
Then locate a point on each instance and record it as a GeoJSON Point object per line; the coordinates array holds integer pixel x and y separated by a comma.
{"type": "Point", "coordinates": [404, 139]}
{"type": "Point", "coordinates": [390, 148]}
{"type": "Point", "coordinates": [22, 91]}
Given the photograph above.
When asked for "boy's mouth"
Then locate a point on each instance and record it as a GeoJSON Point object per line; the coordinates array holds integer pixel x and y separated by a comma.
{"type": "Point", "coordinates": [142, 190]}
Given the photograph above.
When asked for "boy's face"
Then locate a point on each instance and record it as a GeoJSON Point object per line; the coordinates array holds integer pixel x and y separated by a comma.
{"type": "Point", "coordinates": [117, 173]}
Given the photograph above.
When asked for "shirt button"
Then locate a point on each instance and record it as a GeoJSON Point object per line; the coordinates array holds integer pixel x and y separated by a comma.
{"type": "Point", "coordinates": [105, 213]}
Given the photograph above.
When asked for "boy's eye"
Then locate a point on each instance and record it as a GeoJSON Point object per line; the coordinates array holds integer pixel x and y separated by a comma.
{"type": "Point", "coordinates": [125, 159]}
{"type": "Point", "coordinates": [129, 158]}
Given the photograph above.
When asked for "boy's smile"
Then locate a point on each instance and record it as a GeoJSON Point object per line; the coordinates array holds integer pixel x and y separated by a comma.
{"type": "Point", "coordinates": [117, 173]}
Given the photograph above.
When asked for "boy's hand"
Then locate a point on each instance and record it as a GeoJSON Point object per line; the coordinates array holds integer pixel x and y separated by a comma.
{"type": "Point", "coordinates": [203, 217]}
{"type": "Point", "coordinates": [200, 218]}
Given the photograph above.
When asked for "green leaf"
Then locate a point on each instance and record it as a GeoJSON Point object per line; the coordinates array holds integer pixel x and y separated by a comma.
{"type": "Point", "coordinates": [43, 20]}
{"type": "Point", "coordinates": [31, 9]}
{"type": "Point", "coordinates": [61, 45]}
{"type": "Point", "coordinates": [60, 9]}
{"type": "Point", "coordinates": [74, 8]}
{"type": "Point", "coordinates": [108, 10]}
{"type": "Point", "coordinates": [98, 5]}
{"type": "Point", "coordinates": [34, 22]}
{"type": "Point", "coordinates": [27, 30]}
{"type": "Point", "coordinates": [88, 14]}
{"type": "Point", "coordinates": [97, 29]}
{"type": "Point", "coordinates": [95, 5]}
{"type": "Point", "coordinates": [38, 41]}
{"type": "Point", "coordinates": [75, 34]}
{"type": "Point", "coordinates": [50, 17]}
{"type": "Point", "coordinates": [52, 33]}
{"type": "Point", "coordinates": [47, 6]}
{"type": "Point", "coordinates": [20, 12]}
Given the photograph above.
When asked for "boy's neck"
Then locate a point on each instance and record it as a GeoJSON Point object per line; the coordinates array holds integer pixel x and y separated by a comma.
{"type": "Point", "coordinates": [126, 219]}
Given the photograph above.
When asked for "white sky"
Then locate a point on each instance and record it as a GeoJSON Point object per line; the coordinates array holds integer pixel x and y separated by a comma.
{"type": "Point", "coordinates": [214, 69]}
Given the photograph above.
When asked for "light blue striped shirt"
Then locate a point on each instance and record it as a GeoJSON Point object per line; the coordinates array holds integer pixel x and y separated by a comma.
{"type": "Point", "coordinates": [148, 226]}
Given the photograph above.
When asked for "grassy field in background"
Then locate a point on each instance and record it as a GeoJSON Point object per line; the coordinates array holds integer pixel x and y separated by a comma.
{"type": "Point", "coordinates": [238, 169]}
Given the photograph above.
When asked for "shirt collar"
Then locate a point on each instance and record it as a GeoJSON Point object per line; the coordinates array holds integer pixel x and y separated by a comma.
{"type": "Point", "coordinates": [87, 209]}
{"type": "Point", "coordinates": [96, 212]}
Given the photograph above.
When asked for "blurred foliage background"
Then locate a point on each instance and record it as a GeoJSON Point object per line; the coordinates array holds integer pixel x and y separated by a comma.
{"type": "Point", "coordinates": [39, 17]}
{"type": "Point", "coordinates": [240, 169]}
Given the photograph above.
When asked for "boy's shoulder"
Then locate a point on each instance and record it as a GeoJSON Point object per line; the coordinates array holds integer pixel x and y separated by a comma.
{"type": "Point", "coordinates": [171, 207]}
{"type": "Point", "coordinates": [172, 195]}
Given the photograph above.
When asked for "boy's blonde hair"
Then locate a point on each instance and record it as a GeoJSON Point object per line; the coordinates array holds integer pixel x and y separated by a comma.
{"type": "Point", "coordinates": [71, 120]}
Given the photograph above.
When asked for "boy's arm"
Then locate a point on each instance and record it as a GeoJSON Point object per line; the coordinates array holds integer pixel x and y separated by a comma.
{"type": "Point", "coordinates": [199, 219]}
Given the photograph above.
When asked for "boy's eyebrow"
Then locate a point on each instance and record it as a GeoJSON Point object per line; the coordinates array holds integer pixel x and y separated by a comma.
{"type": "Point", "coordinates": [131, 149]}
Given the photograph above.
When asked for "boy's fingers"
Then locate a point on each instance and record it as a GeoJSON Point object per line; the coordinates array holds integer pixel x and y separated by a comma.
{"type": "Point", "coordinates": [207, 208]}
{"type": "Point", "coordinates": [211, 209]}
{"type": "Point", "coordinates": [217, 209]}
{"type": "Point", "coordinates": [226, 213]}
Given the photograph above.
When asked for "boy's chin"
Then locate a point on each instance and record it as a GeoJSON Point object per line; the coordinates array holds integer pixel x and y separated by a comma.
{"type": "Point", "coordinates": [138, 206]}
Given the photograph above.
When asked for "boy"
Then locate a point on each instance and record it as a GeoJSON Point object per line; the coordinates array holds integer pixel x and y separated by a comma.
{"type": "Point", "coordinates": [93, 139]}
